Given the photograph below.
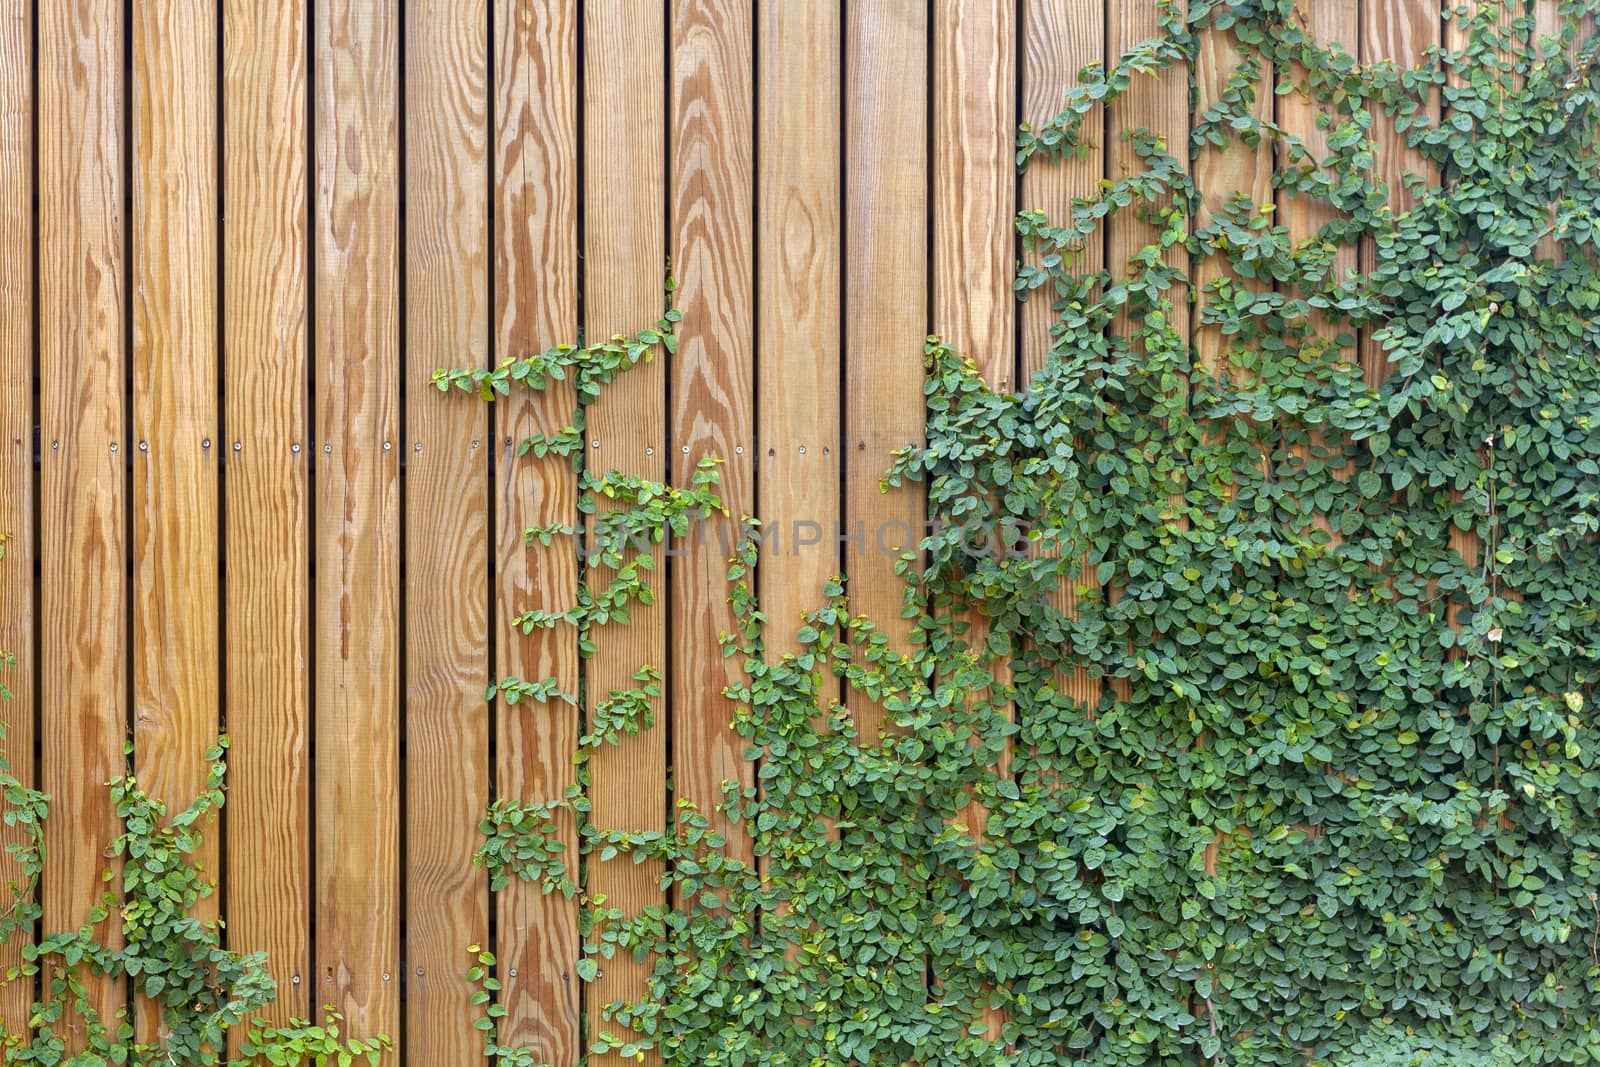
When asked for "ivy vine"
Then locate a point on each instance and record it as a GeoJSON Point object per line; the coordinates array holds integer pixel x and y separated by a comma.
{"type": "Point", "coordinates": [1338, 800]}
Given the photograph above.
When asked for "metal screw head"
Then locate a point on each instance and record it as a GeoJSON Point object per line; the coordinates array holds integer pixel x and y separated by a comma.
{"type": "Point", "coordinates": [295, 979]}
{"type": "Point", "coordinates": [513, 972]}
{"type": "Point", "coordinates": [327, 450]}
{"type": "Point", "coordinates": [417, 446]}
{"type": "Point", "coordinates": [649, 450]}
{"type": "Point", "coordinates": [387, 446]}
{"type": "Point", "coordinates": [419, 972]}
{"type": "Point", "coordinates": [685, 450]}
{"type": "Point", "coordinates": [385, 976]}
{"type": "Point", "coordinates": [738, 450]}
{"type": "Point", "coordinates": [295, 448]}
{"type": "Point", "coordinates": [113, 446]}
{"type": "Point", "coordinates": [239, 446]}
{"type": "Point", "coordinates": [802, 450]}
{"type": "Point", "coordinates": [205, 442]}
{"type": "Point", "coordinates": [55, 445]}
{"type": "Point", "coordinates": [144, 446]}
{"type": "Point", "coordinates": [474, 445]}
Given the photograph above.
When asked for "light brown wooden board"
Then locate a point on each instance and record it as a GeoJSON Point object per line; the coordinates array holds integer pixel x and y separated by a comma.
{"type": "Point", "coordinates": [267, 586]}
{"type": "Point", "coordinates": [447, 525]}
{"type": "Point", "coordinates": [536, 304]}
{"type": "Point", "coordinates": [885, 305]}
{"type": "Point", "coordinates": [1220, 172]}
{"type": "Point", "coordinates": [711, 380]}
{"type": "Point", "coordinates": [625, 254]}
{"type": "Point", "coordinates": [974, 191]}
{"type": "Point", "coordinates": [1402, 31]}
{"type": "Point", "coordinates": [1060, 38]}
{"type": "Point", "coordinates": [1159, 104]}
{"type": "Point", "coordinates": [175, 551]}
{"type": "Point", "coordinates": [1328, 22]}
{"type": "Point", "coordinates": [797, 359]}
{"type": "Point", "coordinates": [974, 178]}
{"type": "Point", "coordinates": [16, 442]}
{"type": "Point", "coordinates": [83, 471]}
{"type": "Point", "coordinates": [357, 516]}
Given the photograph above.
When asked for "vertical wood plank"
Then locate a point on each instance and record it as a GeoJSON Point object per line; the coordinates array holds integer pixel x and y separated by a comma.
{"type": "Point", "coordinates": [1457, 37]}
{"type": "Point", "coordinates": [797, 356]}
{"type": "Point", "coordinates": [1160, 105]}
{"type": "Point", "coordinates": [886, 305]}
{"type": "Point", "coordinates": [267, 588]}
{"type": "Point", "coordinates": [974, 114]}
{"type": "Point", "coordinates": [83, 476]}
{"type": "Point", "coordinates": [446, 529]}
{"type": "Point", "coordinates": [536, 287]}
{"type": "Point", "coordinates": [357, 515]}
{"type": "Point", "coordinates": [1221, 172]}
{"type": "Point", "coordinates": [1402, 31]}
{"type": "Point", "coordinates": [16, 441]}
{"type": "Point", "coordinates": [1059, 38]}
{"type": "Point", "coordinates": [1327, 22]}
{"type": "Point", "coordinates": [712, 383]}
{"type": "Point", "coordinates": [625, 249]}
{"type": "Point", "coordinates": [974, 190]}
{"type": "Point", "coordinates": [1546, 23]}
{"type": "Point", "coordinates": [174, 243]}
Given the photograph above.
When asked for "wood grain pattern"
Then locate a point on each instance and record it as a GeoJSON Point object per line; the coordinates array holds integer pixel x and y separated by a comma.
{"type": "Point", "coordinates": [447, 535]}
{"type": "Point", "coordinates": [1159, 104]}
{"type": "Point", "coordinates": [626, 247]}
{"type": "Point", "coordinates": [886, 304]}
{"type": "Point", "coordinates": [267, 587]}
{"type": "Point", "coordinates": [83, 474]}
{"type": "Point", "coordinates": [1327, 21]}
{"type": "Point", "coordinates": [712, 384]}
{"type": "Point", "coordinates": [17, 296]}
{"type": "Point", "coordinates": [974, 179]}
{"type": "Point", "coordinates": [797, 357]}
{"type": "Point", "coordinates": [974, 183]}
{"type": "Point", "coordinates": [536, 287]}
{"type": "Point", "coordinates": [1220, 172]}
{"type": "Point", "coordinates": [176, 640]}
{"type": "Point", "coordinates": [1059, 38]}
{"type": "Point", "coordinates": [357, 515]}
{"type": "Point", "coordinates": [1402, 31]}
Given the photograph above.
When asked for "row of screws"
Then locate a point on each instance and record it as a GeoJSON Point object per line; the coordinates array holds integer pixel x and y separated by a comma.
{"type": "Point", "coordinates": [238, 446]}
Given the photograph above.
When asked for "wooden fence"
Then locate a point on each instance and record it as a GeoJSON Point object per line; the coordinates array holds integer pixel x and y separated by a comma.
{"type": "Point", "coordinates": [236, 238]}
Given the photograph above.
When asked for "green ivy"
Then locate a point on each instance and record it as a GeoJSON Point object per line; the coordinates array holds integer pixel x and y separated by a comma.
{"type": "Point", "coordinates": [1338, 800]}
{"type": "Point", "coordinates": [169, 958]}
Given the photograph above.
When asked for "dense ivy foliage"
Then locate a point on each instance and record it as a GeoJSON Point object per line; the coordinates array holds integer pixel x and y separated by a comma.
{"type": "Point", "coordinates": [1338, 800]}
